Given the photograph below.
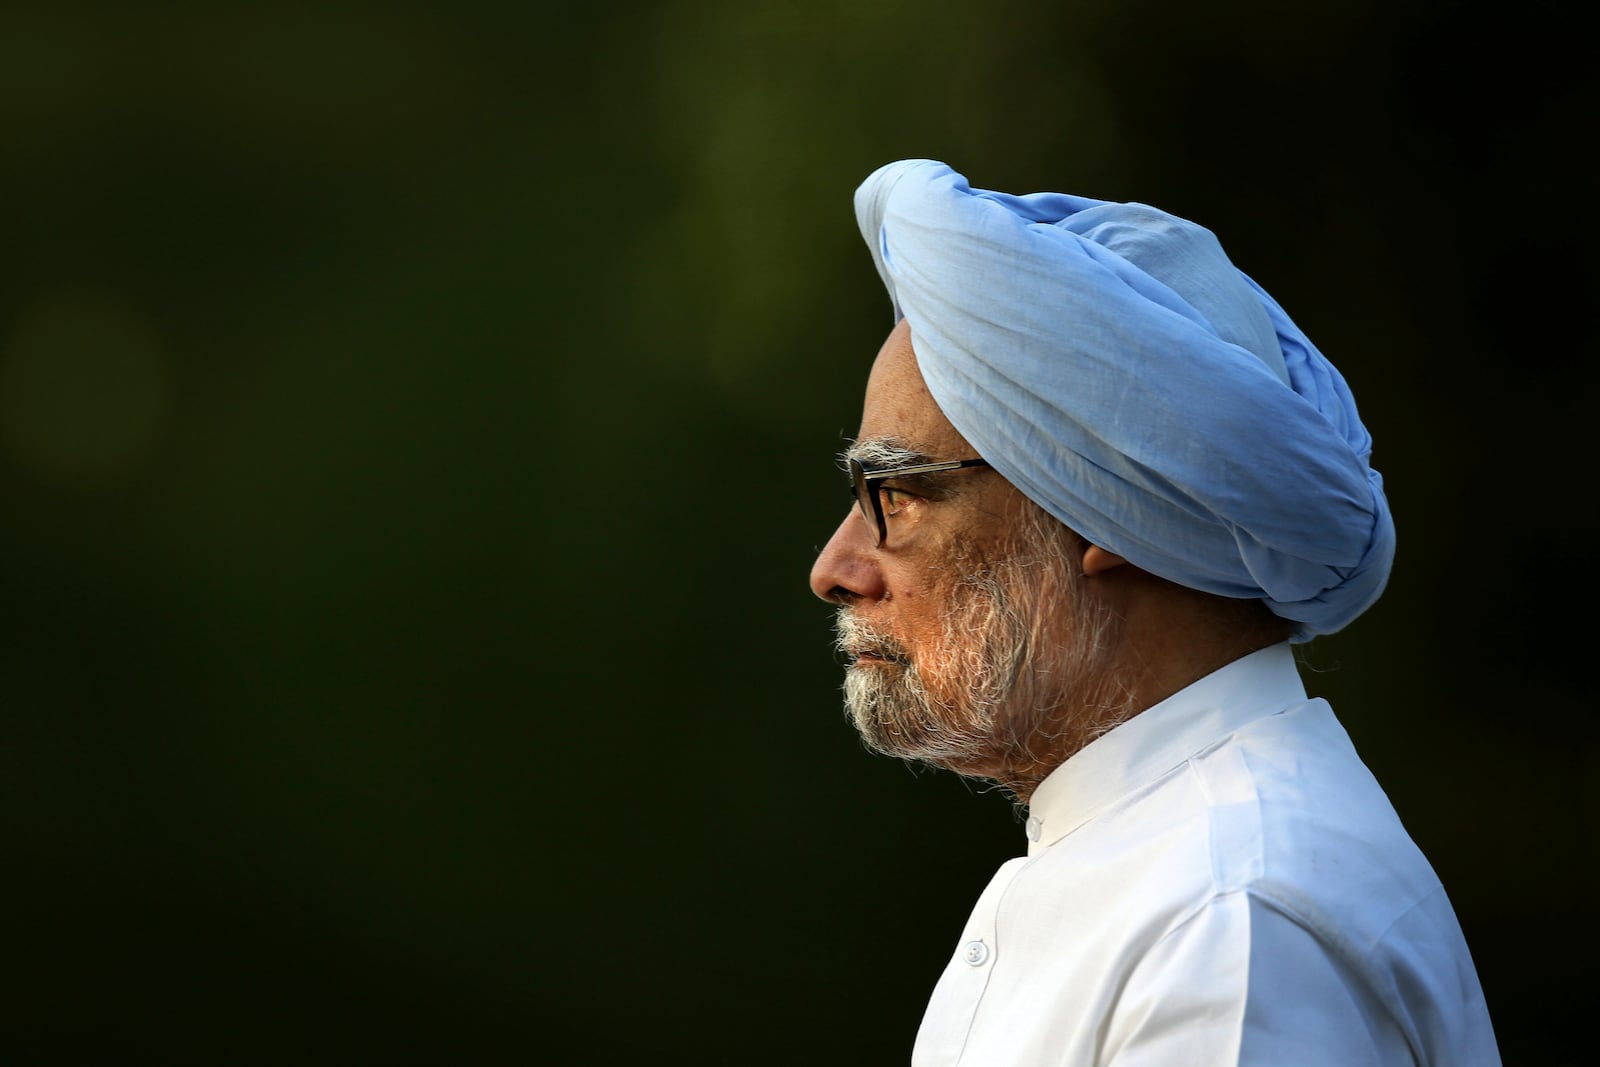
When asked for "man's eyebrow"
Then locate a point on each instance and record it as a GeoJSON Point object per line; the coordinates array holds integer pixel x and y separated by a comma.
{"type": "Point", "coordinates": [884, 452]}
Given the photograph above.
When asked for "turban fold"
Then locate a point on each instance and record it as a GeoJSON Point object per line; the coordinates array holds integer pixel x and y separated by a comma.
{"type": "Point", "coordinates": [1113, 364]}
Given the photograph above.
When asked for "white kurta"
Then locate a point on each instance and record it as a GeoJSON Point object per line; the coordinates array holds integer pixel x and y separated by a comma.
{"type": "Point", "coordinates": [1219, 880]}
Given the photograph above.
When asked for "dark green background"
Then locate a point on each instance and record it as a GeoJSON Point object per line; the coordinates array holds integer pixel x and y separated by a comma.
{"type": "Point", "coordinates": [416, 426]}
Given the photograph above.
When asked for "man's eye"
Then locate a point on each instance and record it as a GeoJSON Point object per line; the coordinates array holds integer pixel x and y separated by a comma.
{"type": "Point", "coordinates": [895, 499]}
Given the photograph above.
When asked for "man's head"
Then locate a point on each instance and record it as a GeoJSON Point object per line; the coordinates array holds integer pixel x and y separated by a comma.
{"type": "Point", "coordinates": [1150, 472]}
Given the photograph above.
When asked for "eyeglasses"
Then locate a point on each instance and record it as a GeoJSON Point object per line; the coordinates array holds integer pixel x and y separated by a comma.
{"type": "Point", "coordinates": [867, 485]}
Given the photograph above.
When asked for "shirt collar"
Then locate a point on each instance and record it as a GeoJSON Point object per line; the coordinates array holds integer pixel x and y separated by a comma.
{"type": "Point", "coordinates": [1160, 738]}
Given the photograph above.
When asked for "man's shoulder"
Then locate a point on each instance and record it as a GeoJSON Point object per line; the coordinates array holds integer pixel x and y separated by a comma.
{"type": "Point", "coordinates": [1282, 809]}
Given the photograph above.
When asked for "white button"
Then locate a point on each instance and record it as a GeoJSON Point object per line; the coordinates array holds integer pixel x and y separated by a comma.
{"type": "Point", "coordinates": [1035, 827]}
{"type": "Point", "coordinates": [975, 952]}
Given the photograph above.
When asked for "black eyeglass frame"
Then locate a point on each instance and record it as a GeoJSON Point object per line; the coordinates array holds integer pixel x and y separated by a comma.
{"type": "Point", "coordinates": [867, 484]}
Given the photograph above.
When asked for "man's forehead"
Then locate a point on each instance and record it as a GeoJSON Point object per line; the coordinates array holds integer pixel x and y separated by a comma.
{"type": "Point", "coordinates": [899, 410]}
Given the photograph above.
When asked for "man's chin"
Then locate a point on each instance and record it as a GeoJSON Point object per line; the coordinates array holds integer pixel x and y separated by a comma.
{"type": "Point", "coordinates": [898, 747]}
{"type": "Point", "coordinates": [893, 725]}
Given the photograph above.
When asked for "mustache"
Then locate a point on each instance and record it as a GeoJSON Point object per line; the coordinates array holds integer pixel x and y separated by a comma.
{"type": "Point", "coordinates": [855, 638]}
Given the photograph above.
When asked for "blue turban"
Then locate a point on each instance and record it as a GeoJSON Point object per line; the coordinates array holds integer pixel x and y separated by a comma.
{"type": "Point", "coordinates": [1113, 364]}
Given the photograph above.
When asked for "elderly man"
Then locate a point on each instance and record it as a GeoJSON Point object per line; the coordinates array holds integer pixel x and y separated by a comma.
{"type": "Point", "coordinates": [1103, 485]}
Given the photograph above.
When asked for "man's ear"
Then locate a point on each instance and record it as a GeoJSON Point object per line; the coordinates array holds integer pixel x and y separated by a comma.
{"type": "Point", "coordinates": [1097, 560]}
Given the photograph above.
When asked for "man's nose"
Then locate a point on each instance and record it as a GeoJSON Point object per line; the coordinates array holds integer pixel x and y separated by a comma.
{"type": "Point", "coordinates": [847, 569]}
